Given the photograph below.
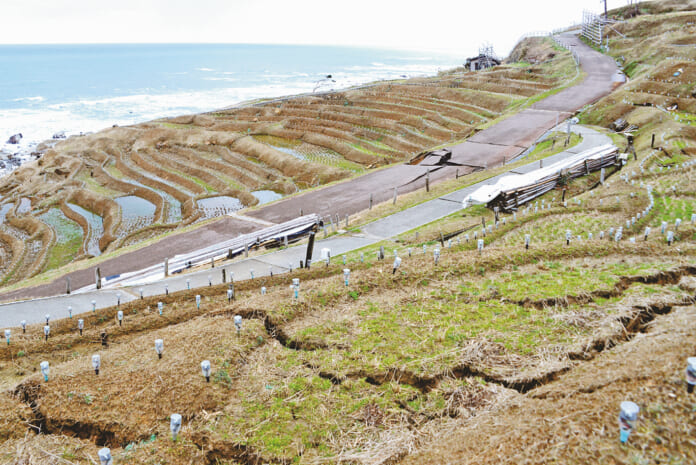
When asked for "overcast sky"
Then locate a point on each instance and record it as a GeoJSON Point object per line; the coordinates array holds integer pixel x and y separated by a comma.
{"type": "Point", "coordinates": [447, 25]}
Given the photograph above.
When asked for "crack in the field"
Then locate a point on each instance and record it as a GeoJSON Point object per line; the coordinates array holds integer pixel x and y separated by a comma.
{"type": "Point", "coordinates": [661, 278]}
{"type": "Point", "coordinates": [425, 384]}
{"type": "Point", "coordinates": [632, 324]}
{"type": "Point", "coordinates": [635, 323]}
{"type": "Point", "coordinates": [217, 451]}
{"type": "Point", "coordinates": [29, 394]}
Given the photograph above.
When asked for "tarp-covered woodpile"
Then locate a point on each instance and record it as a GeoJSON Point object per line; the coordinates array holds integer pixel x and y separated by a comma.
{"type": "Point", "coordinates": [510, 192]}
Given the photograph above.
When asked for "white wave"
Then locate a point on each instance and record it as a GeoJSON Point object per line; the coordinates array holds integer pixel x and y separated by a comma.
{"type": "Point", "coordinates": [38, 98]}
{"type": "Point", "coordinates": [225, 79]}
{"type": "Point", "coordinates": [205, 69]}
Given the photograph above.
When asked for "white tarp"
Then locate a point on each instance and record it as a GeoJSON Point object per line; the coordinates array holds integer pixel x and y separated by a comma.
{"type": "Point", "coordinates": [515, 181]}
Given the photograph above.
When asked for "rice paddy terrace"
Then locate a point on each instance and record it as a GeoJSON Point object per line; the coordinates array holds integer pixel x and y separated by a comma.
{"type": "Point", "coordinates": [100, 192]}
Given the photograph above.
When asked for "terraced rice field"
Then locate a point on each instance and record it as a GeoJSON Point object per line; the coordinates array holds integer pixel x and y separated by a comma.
{"type": "Point", "coordinates": [256, 153]}
{"type": "Point", "coordinates": [3, 211]}
{"type": "Point", "coordinates": [95, 229]}
{"type": "Point", "coordinates": [265, 196]}
{"type": "Point", "coordinates": [218, 206]}
{"type": "Point", "coordinates": [69, 238]}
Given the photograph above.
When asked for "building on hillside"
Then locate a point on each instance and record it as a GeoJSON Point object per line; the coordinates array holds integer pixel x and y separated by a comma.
{"type": "Point", "coordinates": [481, 62]}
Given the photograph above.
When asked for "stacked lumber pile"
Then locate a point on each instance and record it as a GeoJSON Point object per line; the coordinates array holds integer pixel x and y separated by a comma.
{"type": "Point", "coordinates": [510, 192]}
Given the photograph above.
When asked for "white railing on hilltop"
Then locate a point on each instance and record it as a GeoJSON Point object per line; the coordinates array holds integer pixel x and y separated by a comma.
{"type": "Point", "coordinates": [592, 26]}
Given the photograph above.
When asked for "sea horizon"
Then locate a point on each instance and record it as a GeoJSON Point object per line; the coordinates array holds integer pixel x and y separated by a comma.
{"type": "Point", "coordinates": [52, 89]}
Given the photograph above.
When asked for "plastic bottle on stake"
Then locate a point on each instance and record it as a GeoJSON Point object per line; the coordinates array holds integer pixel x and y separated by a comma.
{"type": "Point", "coordinates": [104, 455]}
{"type": "Point", "coordinates": [690, 374]}
{"type": "Point", "coordinates": [238, 323]}
{"type": "Point", "coordinates": [205, 368]}
{"type": "Point", "coordinates": [159, 347]}
{"type": "Point", "coordinates": [96, 363]}
{"type": "Point", "coordinates": [296, 287]}
{"type": "Point", "coordinates": [397, 264]}
{"type": "Point", "coordinates": [45, 370]}
{"type": "Point", "coordinates": [175, 425]}
{"type": "Point", "coordinates": [80, 325]}
{"type": "Point", "coordinates": [8, 333]}
{"type": "Point", "coordinates": [627, 419]}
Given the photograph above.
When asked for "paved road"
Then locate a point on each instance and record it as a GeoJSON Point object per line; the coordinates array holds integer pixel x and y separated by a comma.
{"type": "Point", "coordinates": [279, 261]}
{"type": "Point", "coordinates": [601, 72]}
{"type": "Point", "coordinates": [487, 148]}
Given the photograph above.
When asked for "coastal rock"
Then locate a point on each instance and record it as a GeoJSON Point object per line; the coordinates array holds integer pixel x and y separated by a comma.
{"type": "Point", "coordinates": [59, 135]}
{"type": "Point", "coordinates": [14, 139]}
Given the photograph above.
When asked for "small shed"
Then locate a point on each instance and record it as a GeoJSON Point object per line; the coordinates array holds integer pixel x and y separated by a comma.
{"type": "Point", "coordinates": [481, 62]}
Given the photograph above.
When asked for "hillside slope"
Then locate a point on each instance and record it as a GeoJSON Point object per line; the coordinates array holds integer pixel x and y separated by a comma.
{"type": "Point", "coordinates": [507, 354]}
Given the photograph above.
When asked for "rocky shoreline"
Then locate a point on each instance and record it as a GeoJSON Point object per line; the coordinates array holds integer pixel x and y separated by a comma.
{"type": "Point", "coordinates": [14, 154]}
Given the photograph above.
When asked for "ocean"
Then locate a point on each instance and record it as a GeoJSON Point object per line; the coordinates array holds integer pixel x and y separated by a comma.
{"type": "Point", "coordinates": [72, 89]}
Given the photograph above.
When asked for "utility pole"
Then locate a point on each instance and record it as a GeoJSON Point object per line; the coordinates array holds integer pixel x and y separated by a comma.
{"type": "Point", "coordinates": [606, 17]}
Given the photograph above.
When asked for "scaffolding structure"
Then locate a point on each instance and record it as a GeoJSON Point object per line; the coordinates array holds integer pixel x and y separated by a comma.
{"type": "Point", "coordinates": [486, 54]}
